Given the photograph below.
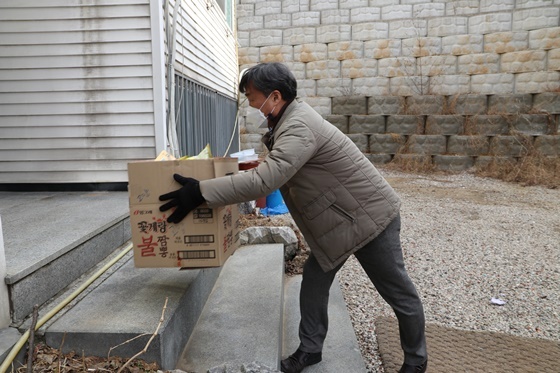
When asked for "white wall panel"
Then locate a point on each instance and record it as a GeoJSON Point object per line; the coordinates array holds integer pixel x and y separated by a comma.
{"type": "Point", "coordinates": [117, 23]}
{"type": "Point", "coordinates": [76, 49]}
{"type": "Point", "coordinates": [76, 120]}
{"type": "Point", "coordinates": [115, 154]}
{"type": "Point", "coordinates": [206, 47]}
{"type": "Point", "coordinates": [54, 85]}
{"type": "Point", "coordinates": [82, 83]}
{"type": "Point", "coordinates": [75, 11]}
{"type": "Point", "coordinates": [59, 132]}
{"type": "Point", "coordinates": [14, 73]}
{"type": "Point", "coordinates": [76, 90]}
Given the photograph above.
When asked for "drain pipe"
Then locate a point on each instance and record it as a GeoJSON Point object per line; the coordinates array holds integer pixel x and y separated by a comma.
{"type": "Point", "coordinates": [17, 347]}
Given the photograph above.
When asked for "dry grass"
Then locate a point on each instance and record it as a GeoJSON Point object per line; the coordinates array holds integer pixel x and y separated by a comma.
{"type": "Point", "coordinates": [528, 167]}
{"type": "Point", "coordinates": [42, 358]}
{"type": "Point", "coordinates": [415, 163]}
{"type": "Point", "coordinates": [47, 359]}
{"type": "Point", "coordinates": [533, 169]}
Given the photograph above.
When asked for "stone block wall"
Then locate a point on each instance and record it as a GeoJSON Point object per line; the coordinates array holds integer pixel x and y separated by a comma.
{"type": "Point", "coordinates": [453, 131]}
{"type": "Point", "coordinates": [458, 81]}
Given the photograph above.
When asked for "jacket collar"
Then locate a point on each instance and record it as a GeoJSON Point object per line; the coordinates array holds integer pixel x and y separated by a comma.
{"type": "Point", "coordinates": [267, 123]}
{"type": "Point", "coordinates": [268, 138]}
{"type": "Point", "coordinates": [285, 114]}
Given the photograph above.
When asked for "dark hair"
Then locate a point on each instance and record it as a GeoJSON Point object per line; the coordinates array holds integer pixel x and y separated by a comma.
{"type": "Point", "coordinates": [268, 77]}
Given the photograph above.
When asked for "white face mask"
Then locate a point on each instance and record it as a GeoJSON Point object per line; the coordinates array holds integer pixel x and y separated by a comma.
{"type": "Point", "coordinates": [256, 116]}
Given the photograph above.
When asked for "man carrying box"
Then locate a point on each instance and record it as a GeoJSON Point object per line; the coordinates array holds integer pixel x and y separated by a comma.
{"type": "Point", "coordinates": [337, 198]}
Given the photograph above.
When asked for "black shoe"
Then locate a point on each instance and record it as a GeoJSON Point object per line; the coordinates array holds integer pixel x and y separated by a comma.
{"type": "Point", "coordinates": [406, 368]}
{"type": "Point", "coordinates": [299, 360]}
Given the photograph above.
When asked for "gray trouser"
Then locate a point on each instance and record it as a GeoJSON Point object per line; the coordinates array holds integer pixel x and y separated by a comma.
{"type": "Point", "coordinates": [382, 260]}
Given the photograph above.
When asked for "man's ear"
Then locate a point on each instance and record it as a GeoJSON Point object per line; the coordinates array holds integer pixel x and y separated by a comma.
{"type": "Point", "coordinates": [276, 96]}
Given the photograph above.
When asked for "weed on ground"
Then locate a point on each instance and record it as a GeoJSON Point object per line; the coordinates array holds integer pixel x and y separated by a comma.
{"type": "Point", "coordinates": [529, 170]}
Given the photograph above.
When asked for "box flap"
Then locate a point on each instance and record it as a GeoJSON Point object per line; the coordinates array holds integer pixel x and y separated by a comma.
{"type": "Point", "coordinates": [147, 180]}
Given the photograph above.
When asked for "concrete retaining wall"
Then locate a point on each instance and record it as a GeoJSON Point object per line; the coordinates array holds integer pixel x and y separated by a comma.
{"type": "Point", "coordinates": [438, 78]}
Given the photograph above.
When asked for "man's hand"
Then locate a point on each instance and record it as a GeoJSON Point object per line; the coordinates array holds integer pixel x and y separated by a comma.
{"type": "Point", "coordinates": [184, 199]}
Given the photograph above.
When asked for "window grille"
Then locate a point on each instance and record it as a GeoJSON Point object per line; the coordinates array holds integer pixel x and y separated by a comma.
{"type": "Point", "coordinates": [204, 116]}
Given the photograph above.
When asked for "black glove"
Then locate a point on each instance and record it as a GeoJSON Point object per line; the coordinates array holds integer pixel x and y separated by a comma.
{"type": "Point", "coordinates": [184, 199]}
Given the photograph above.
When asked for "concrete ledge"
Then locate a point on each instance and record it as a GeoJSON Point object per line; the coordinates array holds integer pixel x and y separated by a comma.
{"type": "Point", "coordinates": [45, 282]}
{"type": "Point", "coordinates": [51, 238]}
{"type": "Point", "coordinates": [341, 352]}
{"type": "Point", "coordinates": [242, 319]}
{"type": "Point", "coordinates": [129, 303]}
{"type": "Point", "coordinates": [41, 226]}
{"type": "Point", "coordinates": [8, 338]}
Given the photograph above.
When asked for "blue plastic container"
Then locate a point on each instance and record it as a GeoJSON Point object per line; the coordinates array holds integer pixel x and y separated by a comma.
{"type": "Point", "coordinates": [275, 204]}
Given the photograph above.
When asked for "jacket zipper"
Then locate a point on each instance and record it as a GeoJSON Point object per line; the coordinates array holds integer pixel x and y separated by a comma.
{"type": "Point", "coordinates": [342, 212]}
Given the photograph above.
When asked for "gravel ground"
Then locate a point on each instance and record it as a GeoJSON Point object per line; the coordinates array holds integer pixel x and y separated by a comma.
{"type": "Point", "coordinates": [465, 241]}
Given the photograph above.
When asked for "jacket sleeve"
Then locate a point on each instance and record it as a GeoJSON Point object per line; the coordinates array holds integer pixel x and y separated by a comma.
{"type": "Point", "coordinates": [294, 145]}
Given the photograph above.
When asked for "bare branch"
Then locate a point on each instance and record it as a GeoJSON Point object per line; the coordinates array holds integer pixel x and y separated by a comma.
{"type": "Point", "coordinates": [60, 352]}
{"type": "Point", "coordinates": [125, 342]}
{"type": "Point", "coordinates": [32, 338]}
{"type": "Point", "coordinates": [150, 340]}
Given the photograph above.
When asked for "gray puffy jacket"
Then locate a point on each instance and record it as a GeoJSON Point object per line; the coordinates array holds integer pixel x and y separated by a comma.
{"type": "Point", "coordinates": [335, 195]}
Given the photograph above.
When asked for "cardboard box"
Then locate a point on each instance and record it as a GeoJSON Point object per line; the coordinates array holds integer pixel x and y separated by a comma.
{"type": "Point", "coordinates": [205, 238]}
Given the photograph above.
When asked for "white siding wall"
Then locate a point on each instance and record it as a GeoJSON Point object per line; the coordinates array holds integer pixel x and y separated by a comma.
{"type": "Point", "coordinates": [81, 91]}
{"type": "Point", "coordinates": [76, 95]}
{"type": "Point", "coordinates": [76, 90]}
{"type": "Point", "coordinates": [206, 49]}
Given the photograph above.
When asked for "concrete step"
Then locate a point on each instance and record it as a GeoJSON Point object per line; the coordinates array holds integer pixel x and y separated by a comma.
{"type": "Point", "coordinates": [242, 320]}
{"type": "Point", "coordinates": [239, 324]}
{"type": "Point", "coordinates": [52, 238]}
{"type": "Point", "coordinates": [251, 314]}
{"type": "Point", "coordinates": [341, 352]}
{"type": "Point", "coordinates": [129, 303]}
{"type": "Point", "coordinates": [8, 338]}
